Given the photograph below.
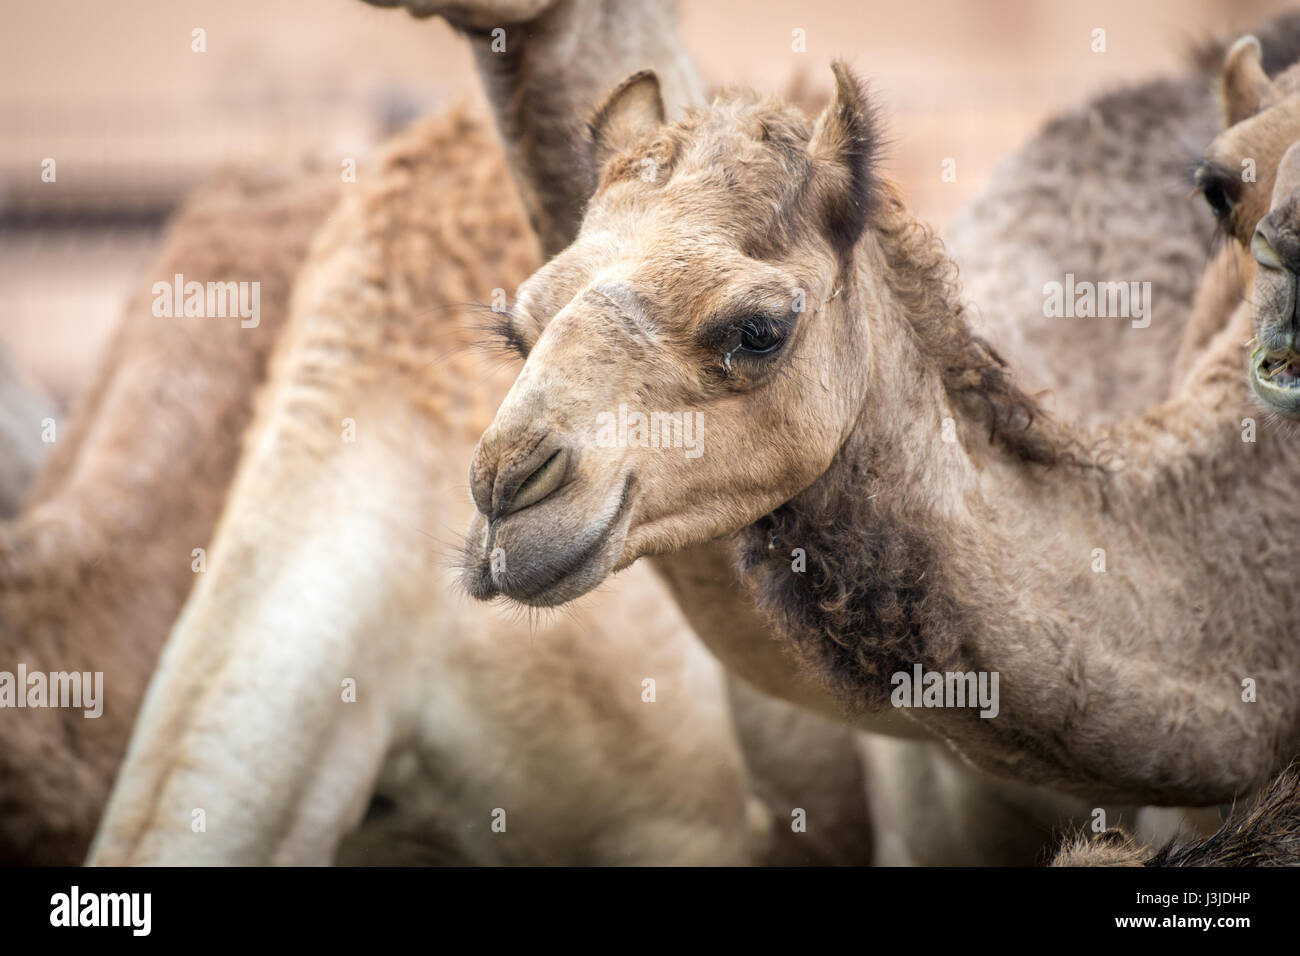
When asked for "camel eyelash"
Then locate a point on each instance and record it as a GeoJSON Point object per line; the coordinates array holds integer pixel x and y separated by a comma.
{"type": "Point", "coordinates": [501, 329]}
{"type": "Point", "coordinates": [755, 339]}
{"type": "Point", "coordinates": [1217, 185]}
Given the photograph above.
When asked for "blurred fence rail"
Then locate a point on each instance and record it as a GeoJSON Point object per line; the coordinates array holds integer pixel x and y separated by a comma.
{"type": "Point", "coordinates": [134, 116]}
{"type": "Point", "coordinates": [135, 158]}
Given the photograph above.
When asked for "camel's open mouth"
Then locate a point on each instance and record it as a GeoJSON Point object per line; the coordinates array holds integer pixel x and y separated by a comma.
{"type": "Point", "coordinates": [1275, 377]}
{"type": "Point", "coordinates": [1283, 371]}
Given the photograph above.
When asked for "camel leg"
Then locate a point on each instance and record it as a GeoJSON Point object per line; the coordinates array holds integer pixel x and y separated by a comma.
{"type": "Point", "coordinates": [970, 818]}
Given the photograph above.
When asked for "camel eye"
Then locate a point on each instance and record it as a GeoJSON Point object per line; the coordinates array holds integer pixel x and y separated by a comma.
{"type": "Point", "coordinates": [1219, 200]}
{"type": "Point", "coordinates": [1216, 194]}
{"type": "Point", "coordinates": [761, 336]}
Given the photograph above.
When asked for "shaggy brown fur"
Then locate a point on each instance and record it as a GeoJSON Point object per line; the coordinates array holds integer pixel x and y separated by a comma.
{"type": "Point", "coordinates": [923, 280]}
{"type": "Point", "coordinates": [94, 570]}
{"type": "Point", "coordinates": [1267, 833]}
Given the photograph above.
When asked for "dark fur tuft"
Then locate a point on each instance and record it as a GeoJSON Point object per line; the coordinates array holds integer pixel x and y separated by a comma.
{"type": "Point", "coordinates": [1279, 37]}
{"type": "Point", "coordinates": [924, 281]}
{"type": "Point", "coordinates": [848, 135]}
{"type": "Point", "coordinates": [1268, 834]}
{"type": "Point", "coordinates": [871, 601]}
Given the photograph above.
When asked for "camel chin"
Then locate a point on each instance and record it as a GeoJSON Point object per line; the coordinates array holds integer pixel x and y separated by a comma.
{"type": "Point", "coordinates": [550, 552]}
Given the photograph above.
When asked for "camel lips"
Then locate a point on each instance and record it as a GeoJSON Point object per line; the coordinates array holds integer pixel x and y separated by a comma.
{"type": "Point", "coordinates": [924, 688]}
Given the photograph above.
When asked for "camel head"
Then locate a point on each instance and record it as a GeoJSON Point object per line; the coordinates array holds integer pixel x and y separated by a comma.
{"type": "Point", "coordinates": [1274, 370]}
{"type": "Point", "coordinates": [670, 393]}
{"type": "Point", "coordinates": [1261, 119]}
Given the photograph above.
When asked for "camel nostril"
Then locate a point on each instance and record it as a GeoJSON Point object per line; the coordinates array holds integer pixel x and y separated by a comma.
{"type": "Point", "coordinates": [1276, 245]}
{"type": "Point", "coordinates": [1263, 250]}
{"type": "Point", "coordinates": [537, 485]}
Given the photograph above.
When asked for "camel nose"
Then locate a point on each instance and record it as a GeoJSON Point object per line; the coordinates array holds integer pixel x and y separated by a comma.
{"type": "Point", "coordinates": [517, 478]}
{"type": "Point", "coordinates": [1275, 247]}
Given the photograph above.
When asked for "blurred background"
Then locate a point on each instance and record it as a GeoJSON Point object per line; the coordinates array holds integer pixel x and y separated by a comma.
{"type": "Point", "coordinates": [134, 118]}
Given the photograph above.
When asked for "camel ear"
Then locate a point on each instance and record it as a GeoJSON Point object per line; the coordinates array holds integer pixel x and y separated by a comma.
{"type": "Point", "coordinates": [1243, 83]}
{"type": "Point", "coordinates": [843, 151]}
{"type": "Point", "coordinates": [633, 109]}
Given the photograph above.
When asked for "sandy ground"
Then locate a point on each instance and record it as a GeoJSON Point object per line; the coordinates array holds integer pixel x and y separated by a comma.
{"type": "Point", "coordinates": [133, 116]}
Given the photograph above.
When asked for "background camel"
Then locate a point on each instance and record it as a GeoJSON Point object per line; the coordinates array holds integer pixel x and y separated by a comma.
{"type": "Point", "coordinates": [957, 554]}
{"type": "Point", "coordinates": [1274, 368]}
{"type": "Point", "coordinates": [1274, 372]}
{"type": "Point", "coordinates": [1266, 833]}
{"type": "Point", "coordinates": [1112, 168]}
{"type": "Point", "coordinates": [94, 570]}
{"type": "Point", "coordinates": [553, 60]}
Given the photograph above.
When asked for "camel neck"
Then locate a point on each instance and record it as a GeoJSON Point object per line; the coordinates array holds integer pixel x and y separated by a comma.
{"type": "Point", "coordinates": [1088, 592]}
{"type": "Point", "coordinates": [545, 79]}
